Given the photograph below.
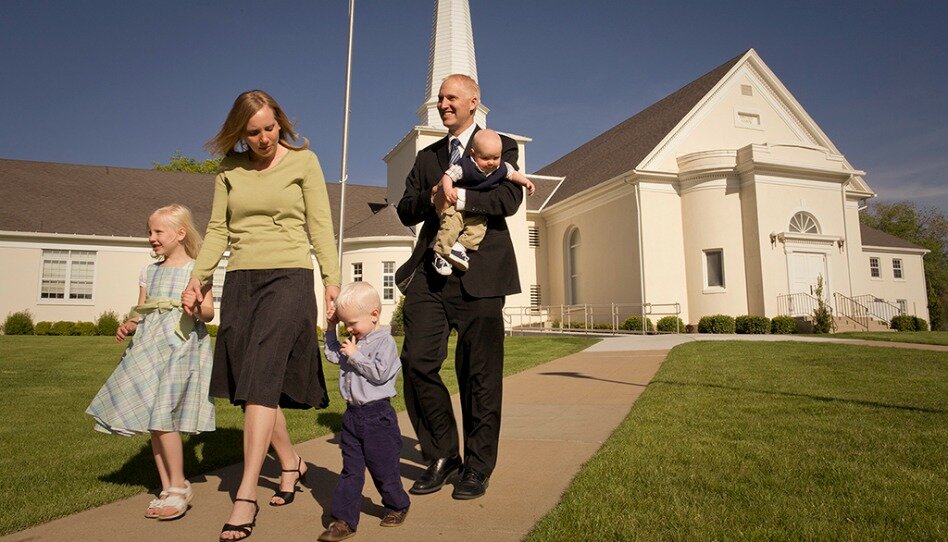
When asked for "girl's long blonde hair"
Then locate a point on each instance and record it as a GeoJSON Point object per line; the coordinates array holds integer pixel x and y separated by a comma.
{"type": "Point", "coordinates": [245, 106]}
{"type": "Point", "coordinates": [179, 216]}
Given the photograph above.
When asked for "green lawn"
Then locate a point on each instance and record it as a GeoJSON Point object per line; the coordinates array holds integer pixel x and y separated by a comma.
{"type": "Point", "coordinates": [772, 441]}
{"type": "Point", "coordinates": [920, 337]}
{"type": "Point", "coordinates": [52, 463]}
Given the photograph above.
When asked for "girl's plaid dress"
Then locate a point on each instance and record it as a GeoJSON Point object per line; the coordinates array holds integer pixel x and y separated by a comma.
{"type": "Point", "coordinates": [161, 383]}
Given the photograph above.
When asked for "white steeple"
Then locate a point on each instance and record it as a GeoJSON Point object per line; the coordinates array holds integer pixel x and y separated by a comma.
{"type": "Point", "coordinates": [451, 51]}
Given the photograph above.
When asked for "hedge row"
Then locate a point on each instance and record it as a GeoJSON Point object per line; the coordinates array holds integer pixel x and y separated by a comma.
{"type": "Point", "coordinates": [747, 324]}
{"type": "Point", "coordinates": [21, 323]}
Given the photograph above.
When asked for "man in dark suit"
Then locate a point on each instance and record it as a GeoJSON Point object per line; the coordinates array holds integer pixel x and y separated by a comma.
{"type": "Point", "coordinates": [471, 302]}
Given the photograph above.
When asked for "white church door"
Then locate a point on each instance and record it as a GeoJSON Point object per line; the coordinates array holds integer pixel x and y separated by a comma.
{"type": "Point", "coordinates": [805, 268]}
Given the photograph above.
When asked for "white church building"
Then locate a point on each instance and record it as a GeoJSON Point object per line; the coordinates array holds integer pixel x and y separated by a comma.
{"type": "Point", "coordinates": [725, 197]}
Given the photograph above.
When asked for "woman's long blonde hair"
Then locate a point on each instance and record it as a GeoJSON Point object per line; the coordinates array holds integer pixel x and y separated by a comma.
{"type": "Point", "coordinates": [235, 125]}
{"type": "Point", "coordinates": [179, 216]}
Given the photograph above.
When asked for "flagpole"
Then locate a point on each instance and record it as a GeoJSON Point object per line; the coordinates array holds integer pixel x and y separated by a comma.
{"type": "Point", "coordinates": [345, 135]}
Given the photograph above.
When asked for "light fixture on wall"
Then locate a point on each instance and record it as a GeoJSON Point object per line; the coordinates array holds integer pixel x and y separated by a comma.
{"type": "Point", "coordinates": [773, 238]}
{"type": "Point", "coordinates": [840, 242]}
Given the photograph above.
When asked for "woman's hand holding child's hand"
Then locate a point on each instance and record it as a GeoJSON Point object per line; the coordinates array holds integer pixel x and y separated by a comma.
{"type": "Point", "coordinates": [125, 330]}
{"type": "Point", "coordinates": [192, 297]}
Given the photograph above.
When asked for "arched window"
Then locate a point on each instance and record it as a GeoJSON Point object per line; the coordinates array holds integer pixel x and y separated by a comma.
{"type": "Point", "coordinates": [571, 252]}
{"type": "Point", "coordinates": [804, 222]}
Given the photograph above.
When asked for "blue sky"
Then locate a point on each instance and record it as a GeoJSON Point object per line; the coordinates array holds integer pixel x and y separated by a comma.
{"type": "Point", "coordinates": [126, 83]}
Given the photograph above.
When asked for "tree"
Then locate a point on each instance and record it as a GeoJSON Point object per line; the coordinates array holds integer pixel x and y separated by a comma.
{"type": "Point", "coordinates": [180, 162]}
{"type": "Point", "coordinates": [929, 229]}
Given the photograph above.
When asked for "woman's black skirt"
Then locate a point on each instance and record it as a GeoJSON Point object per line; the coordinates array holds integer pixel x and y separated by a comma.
{"type": "Point", "coordinates": [266, 351]}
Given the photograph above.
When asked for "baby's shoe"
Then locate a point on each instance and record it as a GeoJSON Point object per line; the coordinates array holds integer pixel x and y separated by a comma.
{"type": "Point", "coordinates": [458, 256]}
{"type": "Point", "coordinates": [441, 265]}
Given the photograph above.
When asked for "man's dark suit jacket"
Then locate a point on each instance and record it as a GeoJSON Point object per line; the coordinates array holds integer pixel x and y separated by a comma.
{"type": "Point", "coordinates": [493, 267]}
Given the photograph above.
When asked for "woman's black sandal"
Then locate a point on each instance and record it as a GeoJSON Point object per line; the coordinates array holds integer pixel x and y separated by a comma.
{"type": "Point", "coordinates": [245, 528]}
{"type": "Point", "coordinates": [288, 496]}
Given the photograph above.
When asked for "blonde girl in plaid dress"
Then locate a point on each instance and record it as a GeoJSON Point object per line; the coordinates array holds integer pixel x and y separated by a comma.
{"type": "Point", "coordinates": [161, 384]}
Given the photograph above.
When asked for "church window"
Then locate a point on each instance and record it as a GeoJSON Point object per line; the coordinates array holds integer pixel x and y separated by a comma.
{"type": "Point", "coordinates": [897, 268]}
{"type": "Point", "coordinates": [388, 281]}
{"type": "Point", "coordinates": [67, 275]}
{"type": "Point", "coordinates": [714, 268]}
{"type": "Point", "coordinates": [903, 306]}
{"type": "Point", "coordinates": [804, 222]}
{"type": "Point", "coordinates": [874, 267]}
{"type": "Point", "coordinates": [573, 242]}
{"type": "Point", "coordinates": [357, 272]}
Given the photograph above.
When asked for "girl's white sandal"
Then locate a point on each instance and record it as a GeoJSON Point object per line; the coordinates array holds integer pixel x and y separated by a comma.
{"type": "Point", "coordinates": [155, 505]}
{"type": "Point", "coordinates": [178, 499]}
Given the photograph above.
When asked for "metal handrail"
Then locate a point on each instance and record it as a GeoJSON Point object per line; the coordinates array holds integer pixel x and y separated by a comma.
{"type": "Point", "coordinates": [852, 310]}
{"type": "Point", "coordinates": [800, 304]}
{"type": "Point", "coordinates": [879, 308]}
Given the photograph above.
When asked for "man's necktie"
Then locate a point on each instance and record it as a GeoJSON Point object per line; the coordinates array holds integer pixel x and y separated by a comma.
{"type": "Point", "coordinates": [455, 151]}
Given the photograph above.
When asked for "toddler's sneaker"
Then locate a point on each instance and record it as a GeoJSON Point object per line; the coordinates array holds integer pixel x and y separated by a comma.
{"type": "Point", "coordinates": [441, 265]}
{"type": "Point", "coordinates": [458, 257]}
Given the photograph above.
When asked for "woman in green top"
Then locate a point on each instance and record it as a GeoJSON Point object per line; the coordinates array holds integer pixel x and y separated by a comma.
{"type": "Point", "coordinates": [266, 357]}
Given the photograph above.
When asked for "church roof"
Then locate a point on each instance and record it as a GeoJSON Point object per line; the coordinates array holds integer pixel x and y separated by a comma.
{"type": "Point", "coordinates": [46, 197]}
{"type": "Point", "coordinates": [872, 237]}
{"type": "Point", "coordinates": [623, 147]}
{"type": "Point", "coordinates": [544, 189]}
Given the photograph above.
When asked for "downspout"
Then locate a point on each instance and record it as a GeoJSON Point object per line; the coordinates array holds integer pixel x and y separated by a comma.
{"type": "Point", "coordinates": [638, 213]}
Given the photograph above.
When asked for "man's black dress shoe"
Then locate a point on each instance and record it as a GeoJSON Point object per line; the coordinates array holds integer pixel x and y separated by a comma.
{"type": "Point", "coordinates": [472, 485]}
{"type": "Point", "coordinates": [436, 475]}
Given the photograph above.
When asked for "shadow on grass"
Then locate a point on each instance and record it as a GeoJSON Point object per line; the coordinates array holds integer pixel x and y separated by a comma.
{"type": "Point", "coordinates": [573, 374]}
{"type": "Point", "coordinates": [330, 420]}
{"type": "Point", "coordinates": [217, 449]}
{"type": "Point", "coordinates": [874, 404]}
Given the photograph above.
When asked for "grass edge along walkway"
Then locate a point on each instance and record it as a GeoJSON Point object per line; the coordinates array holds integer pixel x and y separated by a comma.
{"type": "Point", "coordinates": [771, 441]}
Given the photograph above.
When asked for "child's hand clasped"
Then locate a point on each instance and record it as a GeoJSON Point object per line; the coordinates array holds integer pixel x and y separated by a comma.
{"type": "Point", "coordinates": [349, 347]}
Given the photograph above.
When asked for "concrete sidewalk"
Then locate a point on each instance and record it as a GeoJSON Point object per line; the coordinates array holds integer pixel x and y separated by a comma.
{"type": "Point", "coordinates": [556, 416]}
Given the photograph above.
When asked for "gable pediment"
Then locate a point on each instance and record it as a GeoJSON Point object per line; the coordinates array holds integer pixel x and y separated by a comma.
{"type": "Point", "coordinates": [749, 106]}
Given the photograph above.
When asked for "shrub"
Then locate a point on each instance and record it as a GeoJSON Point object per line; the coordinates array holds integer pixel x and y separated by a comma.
{"type": "Point", "coordinates": [783, 325]}
{"type": "Point", "coordinates": [752, 325]}
{"type": "Point", "coordinates": [670, 324]}
{"type": "Point", "coordinates": [716, 323]}
{"type": "Point", "coordinates": [42, 328]}
{"type": "Point", "coordinates": [107, 323]}
{"type": "Point", "coordinates": [822, 318]}
{"type": "Point", "coordinates": [19, 323]}
{"type": "Point", "coordinates": [398, 318]}
{"type": "Point", "coordinates": [62, 328]}
{"type": "Point", "coordinates": [320, 335]}
{"type": "Point", "coordinates": [84, 329]}
{"type": "Point", "coordinates": [212, 330]}
{"type": "Point", "coordinates": [634, 323]}
{"type": "Point", "coordinates": [904, 322]}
